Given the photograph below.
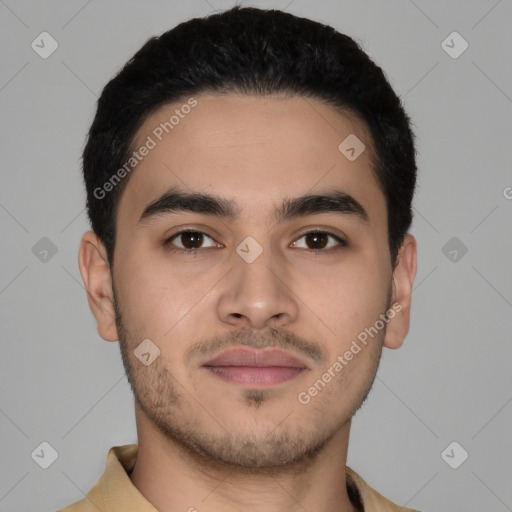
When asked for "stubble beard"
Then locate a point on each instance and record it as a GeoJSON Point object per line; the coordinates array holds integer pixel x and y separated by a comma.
{"type": "Point", "coordinates": [170, 408]}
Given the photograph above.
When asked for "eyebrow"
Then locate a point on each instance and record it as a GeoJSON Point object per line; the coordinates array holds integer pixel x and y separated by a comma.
{"type": "Point", "coordinates": [176, 201]}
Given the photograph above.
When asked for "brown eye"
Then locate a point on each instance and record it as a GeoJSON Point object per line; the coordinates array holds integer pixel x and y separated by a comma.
{"type": "Point", "coordinates": [320, 240]}
{"type": "Point", "coordinates": [317, 240]}
{"type": "Point", "coordinates": [189, 241]}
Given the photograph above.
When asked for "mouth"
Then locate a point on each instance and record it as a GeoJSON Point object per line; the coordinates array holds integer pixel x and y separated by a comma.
{"type": "Point", "coordinates": [255, 367]}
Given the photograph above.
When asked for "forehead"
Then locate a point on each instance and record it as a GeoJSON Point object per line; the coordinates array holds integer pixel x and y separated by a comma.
{"type": "Point", "coordinates": [253, 150]}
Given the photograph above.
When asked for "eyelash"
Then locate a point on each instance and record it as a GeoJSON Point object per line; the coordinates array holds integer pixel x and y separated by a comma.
{"type": "Point", "coordinates": [194, 252]}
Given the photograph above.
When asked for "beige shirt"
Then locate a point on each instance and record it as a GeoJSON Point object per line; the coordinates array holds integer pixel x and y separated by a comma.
{"type": "Point", "coordinates": [115, 492]}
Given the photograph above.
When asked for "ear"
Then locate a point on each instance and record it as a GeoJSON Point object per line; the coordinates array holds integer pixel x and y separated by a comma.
{"type": "Point", "coordinates": [403, 279]}
{"type": "Point", "coordinates": [97, 278]}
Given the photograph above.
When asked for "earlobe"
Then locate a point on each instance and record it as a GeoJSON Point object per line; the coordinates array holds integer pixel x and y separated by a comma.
{"type": "Point", "coordinates": [97, 278]}
{"type": "Point", "coordinates": [403, 280]}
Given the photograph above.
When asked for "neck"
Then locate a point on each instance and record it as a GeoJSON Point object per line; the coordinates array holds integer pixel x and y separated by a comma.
{"type": "Point", "coordinates": [171, 478]}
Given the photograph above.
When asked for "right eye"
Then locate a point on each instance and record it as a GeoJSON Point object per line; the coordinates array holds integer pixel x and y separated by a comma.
{"type": "Point", "coordinates": [188, 241]}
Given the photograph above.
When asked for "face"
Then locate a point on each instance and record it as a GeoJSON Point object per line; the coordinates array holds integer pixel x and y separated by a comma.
{"type": "Point", "coordinates": [286, 286]}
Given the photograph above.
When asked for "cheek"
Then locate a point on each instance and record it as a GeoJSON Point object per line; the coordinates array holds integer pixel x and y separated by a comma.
{"type": "Point", "coordinates": [345, 299]}
{"type": "Point", "coordinates": [157, 300]}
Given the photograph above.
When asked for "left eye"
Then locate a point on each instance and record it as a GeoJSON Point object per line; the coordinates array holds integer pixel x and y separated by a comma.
{"type": "Point", "coordinates": [315, 240]}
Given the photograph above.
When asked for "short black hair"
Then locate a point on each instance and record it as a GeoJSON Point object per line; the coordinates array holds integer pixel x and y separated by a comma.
{"type": "Point", "coordinates": [255, 52]}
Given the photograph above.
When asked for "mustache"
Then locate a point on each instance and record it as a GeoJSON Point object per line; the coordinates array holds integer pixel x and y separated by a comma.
{"type": "Point", "coordinates": [274, 337]}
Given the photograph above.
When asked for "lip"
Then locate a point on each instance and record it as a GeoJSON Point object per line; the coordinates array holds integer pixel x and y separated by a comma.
{"type": "Point", "coordinates": [261, 358]}
{"type": "Point", "coordinates": [255, 367]}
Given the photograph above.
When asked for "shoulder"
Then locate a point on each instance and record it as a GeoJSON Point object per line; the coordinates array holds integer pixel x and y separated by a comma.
{"type": "Point", "coordinates": [372, 501]}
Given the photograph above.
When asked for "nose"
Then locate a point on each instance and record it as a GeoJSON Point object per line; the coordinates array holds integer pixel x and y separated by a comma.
{"type": "Point", "coordinates": [258, 294]}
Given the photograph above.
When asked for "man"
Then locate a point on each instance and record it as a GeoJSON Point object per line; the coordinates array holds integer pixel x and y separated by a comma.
{"type": "Point", "coordinates": [249, 183]}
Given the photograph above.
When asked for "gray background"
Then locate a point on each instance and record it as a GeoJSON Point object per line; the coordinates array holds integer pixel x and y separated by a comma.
{"type": "Point", "coordinates": [451, 381]}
